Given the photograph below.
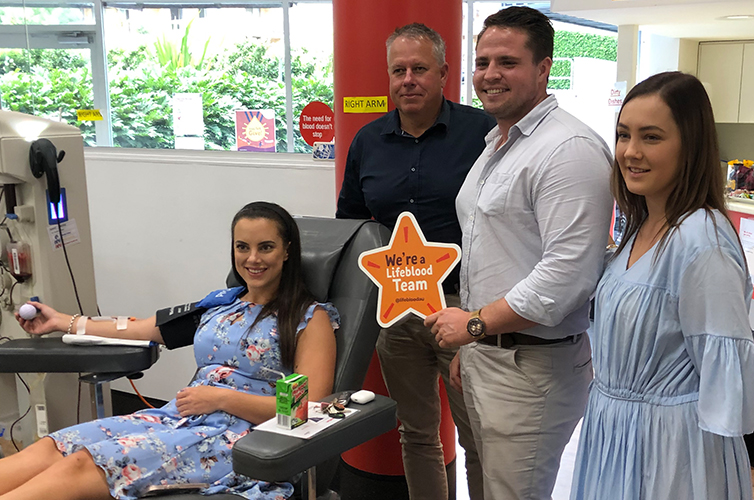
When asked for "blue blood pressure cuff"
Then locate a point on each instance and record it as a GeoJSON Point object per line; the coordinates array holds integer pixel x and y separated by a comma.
{"type": "Point", "coordinates": [178, 324]}
{"type": "Point", "coordinates": [221, 297]}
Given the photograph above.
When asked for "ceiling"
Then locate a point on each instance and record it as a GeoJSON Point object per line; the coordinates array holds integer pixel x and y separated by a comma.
{"type": "Point", "coordinates": [697, 19]}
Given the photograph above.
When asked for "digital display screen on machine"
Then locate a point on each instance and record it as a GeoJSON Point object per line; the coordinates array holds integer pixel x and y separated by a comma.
{"type": "Point", "coordinates": [59, 213]}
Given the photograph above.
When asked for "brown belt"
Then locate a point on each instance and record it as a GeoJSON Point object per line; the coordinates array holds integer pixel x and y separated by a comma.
{"type": "Point", "coordinates": [508, 340]}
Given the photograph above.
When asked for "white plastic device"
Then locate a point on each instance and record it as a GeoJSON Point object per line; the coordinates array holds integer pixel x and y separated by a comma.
{"type": "Point", "coordinates": [362, 397]}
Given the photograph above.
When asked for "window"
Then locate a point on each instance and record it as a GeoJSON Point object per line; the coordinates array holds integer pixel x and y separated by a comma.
{"type": "Point", "coordinates": [224, 75]}
{"type": "Point", "coordinates": [584, 63]}
{"type": "Point", "coordinates": [176, 75]}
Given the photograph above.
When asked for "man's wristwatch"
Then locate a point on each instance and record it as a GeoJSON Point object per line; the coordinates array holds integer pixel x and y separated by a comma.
{"type": "Point", "coordinates": [476, 326]}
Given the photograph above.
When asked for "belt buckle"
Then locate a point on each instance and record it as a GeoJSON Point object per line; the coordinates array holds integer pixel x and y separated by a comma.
{"type": "Point", "coordinates": [505, 341]}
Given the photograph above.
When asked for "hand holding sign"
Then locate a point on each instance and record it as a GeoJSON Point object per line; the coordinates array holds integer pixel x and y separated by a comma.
{"type": "Point", "coordinates": [409, 272]}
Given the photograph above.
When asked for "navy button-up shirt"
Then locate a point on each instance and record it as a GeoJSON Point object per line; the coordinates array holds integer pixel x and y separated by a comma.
{"type": "Point", "coordinates": [389, 171]}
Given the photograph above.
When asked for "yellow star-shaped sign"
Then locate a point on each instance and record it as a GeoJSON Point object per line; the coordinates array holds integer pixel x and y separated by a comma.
{"type": "Point", "coordinates": [409, 272]}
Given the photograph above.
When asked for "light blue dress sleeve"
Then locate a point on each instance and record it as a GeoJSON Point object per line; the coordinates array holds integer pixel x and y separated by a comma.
{"type": "Point", "coordinates": [332, 313]}
{"type": "Point", "coordinates": [714, 297]}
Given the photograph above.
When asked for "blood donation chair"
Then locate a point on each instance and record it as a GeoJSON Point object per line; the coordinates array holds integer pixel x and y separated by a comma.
{"type": "Point", "coordinates": [330, 251]}
{"type": "Point", "coordinates": [95, 364]}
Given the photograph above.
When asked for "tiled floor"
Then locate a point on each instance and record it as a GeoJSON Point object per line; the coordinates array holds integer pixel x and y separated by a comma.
{"type": "Point", "coordinates": [562, 484]}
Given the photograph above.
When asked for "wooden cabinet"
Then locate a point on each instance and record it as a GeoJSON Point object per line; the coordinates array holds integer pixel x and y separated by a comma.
{"type": "Point", "coordinates": [727, 69]}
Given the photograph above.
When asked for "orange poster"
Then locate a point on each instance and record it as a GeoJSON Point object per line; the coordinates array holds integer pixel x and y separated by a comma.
{"type": "Point", "coordinates": [409, 272]}
{"type": "Point", "coordinates": [255, 130]}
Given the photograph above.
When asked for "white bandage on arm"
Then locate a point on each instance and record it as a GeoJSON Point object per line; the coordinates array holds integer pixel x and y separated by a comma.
{"type": "Point", "coordinates": [121, 322]}
{"type": "Point", "coordinates": [81, 325]}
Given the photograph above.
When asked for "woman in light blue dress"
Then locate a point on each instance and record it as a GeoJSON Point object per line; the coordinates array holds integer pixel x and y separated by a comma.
{"type": "Point", "coordinates": [673, 351]}
{"type": "Point", "coordinates": [244, 336]}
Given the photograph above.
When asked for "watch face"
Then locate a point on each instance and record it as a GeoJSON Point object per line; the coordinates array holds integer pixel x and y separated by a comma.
{"type": "Point", "coordinates": [475, 327]}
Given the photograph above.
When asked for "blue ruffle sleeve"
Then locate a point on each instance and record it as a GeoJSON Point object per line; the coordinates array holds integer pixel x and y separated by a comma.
{"type": "Point", "coordinates": [332, 313]}
{"type": "Point", "coordinates": [714, 298]}
{"type": "Point", "coordinates": [726, 382]}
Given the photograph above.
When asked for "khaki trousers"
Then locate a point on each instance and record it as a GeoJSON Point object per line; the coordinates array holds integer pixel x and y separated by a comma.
{"type": "Point", "coordinates": [523, 404]}
{"type": "Point", "coordinates": [411, 361]}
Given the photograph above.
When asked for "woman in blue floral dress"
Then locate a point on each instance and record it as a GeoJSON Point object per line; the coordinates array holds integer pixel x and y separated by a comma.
{"type": "Point", "coordinates": [245, 338]}
{"type": "Point", "coordinates": [673, 351]}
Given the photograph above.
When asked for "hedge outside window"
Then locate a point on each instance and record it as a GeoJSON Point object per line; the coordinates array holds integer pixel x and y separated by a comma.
{"type": "Point", "coordinates": [235, 57]}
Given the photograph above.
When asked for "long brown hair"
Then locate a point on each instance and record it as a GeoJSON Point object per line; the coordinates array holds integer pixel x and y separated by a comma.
{"type": "Point", "coordinates": [699, 183]}
{"type": "Point", "coordinates": [292, 298]}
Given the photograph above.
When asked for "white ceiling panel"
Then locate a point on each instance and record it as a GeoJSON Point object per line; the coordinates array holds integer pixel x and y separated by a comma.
{"type": "Point", "coordinates": [697, 19]}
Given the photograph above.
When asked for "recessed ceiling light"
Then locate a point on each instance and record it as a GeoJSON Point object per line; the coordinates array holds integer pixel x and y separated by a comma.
{"type": "Point", "coordinates": [737, 17]}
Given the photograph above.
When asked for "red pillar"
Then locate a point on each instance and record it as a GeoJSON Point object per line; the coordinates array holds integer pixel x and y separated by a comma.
{"type": "Point", "coordinates": [360, 58]}
{"type": "Point", "coordinates": [360, 69]}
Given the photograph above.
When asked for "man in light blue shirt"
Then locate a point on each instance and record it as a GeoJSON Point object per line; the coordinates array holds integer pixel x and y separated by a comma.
{"type": "Point", "coordinates": [535, 213]}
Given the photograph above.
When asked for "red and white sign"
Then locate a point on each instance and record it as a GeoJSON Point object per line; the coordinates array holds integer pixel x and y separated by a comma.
{"type": "Point", "coordinates": [617, 94]}
{"type": "Point", "coordinates": [317, 123]}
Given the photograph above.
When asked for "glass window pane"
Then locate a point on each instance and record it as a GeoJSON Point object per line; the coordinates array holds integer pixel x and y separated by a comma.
{"type": "Point", "coordinates": [232, 57]}
{"type": "Point", "coordinates": [311, 27]}
{"type": "Point", "coordinates": [52, 83]}
{"type": "Point", "coordinates": [15, 15]}
{"type": "Point", "coordinates": [583, 73]}
{"type": "Point", "coordinates": [465, 78]}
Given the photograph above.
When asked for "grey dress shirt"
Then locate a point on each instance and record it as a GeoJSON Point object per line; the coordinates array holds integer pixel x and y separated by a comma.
{"type": "Point", "coordinates": [535, 216]}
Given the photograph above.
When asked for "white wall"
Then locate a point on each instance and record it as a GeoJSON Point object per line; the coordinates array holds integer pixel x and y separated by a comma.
{"type": "Point", "coordinates": [657, 54]}
{"type": "Point", "coordinates": [587, 99]}
{"type": "Point", "coordinates": [161, 228]}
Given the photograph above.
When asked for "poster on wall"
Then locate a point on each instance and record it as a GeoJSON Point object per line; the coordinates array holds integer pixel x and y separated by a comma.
{"type": "Point", "coordinates": [188, 119]}
{"type": "Point", "coordinates": [617, 94]}
{"type": "Point", "coordinates": [317, 123]}
{"type": "Point", "coordinates": [255, 130]}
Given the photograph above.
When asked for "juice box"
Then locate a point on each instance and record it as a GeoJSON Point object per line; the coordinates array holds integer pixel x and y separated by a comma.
{"type": "Point", "coordinates": [292, 400]}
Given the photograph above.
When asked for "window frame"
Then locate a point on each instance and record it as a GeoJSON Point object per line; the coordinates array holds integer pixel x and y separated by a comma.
{"type": "Point", "coordinates": [92, 37]}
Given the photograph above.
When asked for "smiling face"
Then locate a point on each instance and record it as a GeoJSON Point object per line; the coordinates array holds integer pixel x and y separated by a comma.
{"type": "Point", "coordinates": [507, 80]}
{"type": "Point", "coordinates": [648, 149]}
{"type": "Point", "coordinates": [259, 253]}
{"type": "Point", "coordinates": [416, 78]}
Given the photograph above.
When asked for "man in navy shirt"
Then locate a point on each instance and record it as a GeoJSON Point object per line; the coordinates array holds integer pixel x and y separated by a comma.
{"type": "Point", "coordinates": [415, 159]}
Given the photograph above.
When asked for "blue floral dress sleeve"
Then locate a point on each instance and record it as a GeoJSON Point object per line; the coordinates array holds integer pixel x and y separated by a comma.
{"type": "Point", "coordinates": [332, 313]}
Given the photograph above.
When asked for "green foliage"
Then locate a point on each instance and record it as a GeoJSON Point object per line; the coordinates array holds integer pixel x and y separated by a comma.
{"type": "Point", "coordinates": [570, 44]}
{"type": "Point", "coordinates": [247, 76]}
{"type": "Point", "coordinates": [55, 83]}
{"type": "Point", "coordinates": [476, 102]}
{"type": "Point", "coordinates": [574, 44]}
{"type": "Point", "coordinates": [127, 61]}
{"type": "Point", "coordinates": [140, 108]}
{"type": "Point", "coordinates": [254, 60]}
{"type": "Point", "coordinates": [560, 68]}
{"type": "Point", "coordinates": [51, 93]}
{"type": "Point", "coordinates": [25, 60]}
{"type": "Point", "coordinates": [142, 88]}
{"type": "Point", "coordinates": [171, 56]}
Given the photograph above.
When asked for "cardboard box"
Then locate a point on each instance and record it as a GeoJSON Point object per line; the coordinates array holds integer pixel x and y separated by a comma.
{"type": "Point", "coordinates": [292, 401]}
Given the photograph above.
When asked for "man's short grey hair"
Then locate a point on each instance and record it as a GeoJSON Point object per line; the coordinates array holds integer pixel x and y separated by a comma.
{"type": "Point", "coordinates": [419, 31]}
